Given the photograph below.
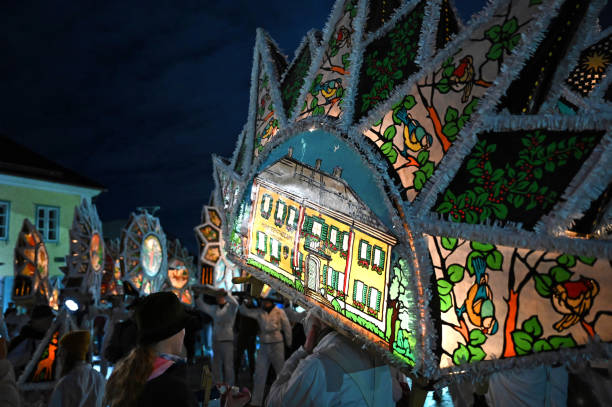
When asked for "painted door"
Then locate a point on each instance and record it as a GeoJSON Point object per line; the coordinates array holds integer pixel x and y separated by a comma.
{"type": "Point", "coordinates": [313, 273]}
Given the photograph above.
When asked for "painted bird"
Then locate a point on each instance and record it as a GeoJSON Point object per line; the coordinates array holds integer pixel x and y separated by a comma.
{"type": "Point", "coordinates": [462, 77]}
{"type": "Point", "coordinates": [479, 302]}
{"type": "Point", "coordinates": [415, 136]}
{"type": "Point", "coordinates": [573, 299]}
{"type": "Point", "coordinates": [269, 130]}
{"type": "Point", "coordinates": [343, 37]}
{"type": "Point", "coordinates": [328, 89]}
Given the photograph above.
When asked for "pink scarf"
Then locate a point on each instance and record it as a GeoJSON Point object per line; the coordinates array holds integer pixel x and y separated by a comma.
{"type": "Point", "coordinates": [159, 367]}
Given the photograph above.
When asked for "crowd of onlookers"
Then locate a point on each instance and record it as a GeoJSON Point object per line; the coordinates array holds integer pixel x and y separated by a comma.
{"type": "Point", "coordinates": [284, 356]}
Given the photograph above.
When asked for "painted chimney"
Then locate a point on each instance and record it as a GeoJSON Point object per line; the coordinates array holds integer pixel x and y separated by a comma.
{"type": "Point", "coordinates": [290, 152]}
{"type": "Point", "coordinates": [318, 164]}
{"type": "Point", "coordinates": [337, 172]}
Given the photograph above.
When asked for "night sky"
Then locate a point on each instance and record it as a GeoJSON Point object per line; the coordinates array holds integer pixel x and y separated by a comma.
{"type": "Point", "coordinates": [138, 95]}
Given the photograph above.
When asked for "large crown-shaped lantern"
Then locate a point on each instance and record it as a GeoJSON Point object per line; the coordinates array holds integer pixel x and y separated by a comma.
{"type": "Point", "coordinates": [439, 190]}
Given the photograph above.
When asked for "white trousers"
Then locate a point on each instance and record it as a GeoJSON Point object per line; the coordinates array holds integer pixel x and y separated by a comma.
{"type": "Point", "coordinates": [223, 360]}
{"type": "Point", "coordinates": [268, 353]}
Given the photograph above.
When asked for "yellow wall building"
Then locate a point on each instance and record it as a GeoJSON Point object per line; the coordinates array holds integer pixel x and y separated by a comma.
{"type": "Point", "coordinates": [40, 190]}
{"type": "Point", "coordinates": [312, 231]}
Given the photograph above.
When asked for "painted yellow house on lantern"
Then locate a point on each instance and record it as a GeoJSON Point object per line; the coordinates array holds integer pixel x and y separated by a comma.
{"type": "Point", "coordinates": [310, 230]}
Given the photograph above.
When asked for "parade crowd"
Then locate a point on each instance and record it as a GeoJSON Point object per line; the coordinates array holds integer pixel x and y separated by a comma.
{"type": "Point", "coordinates": [265, 351]}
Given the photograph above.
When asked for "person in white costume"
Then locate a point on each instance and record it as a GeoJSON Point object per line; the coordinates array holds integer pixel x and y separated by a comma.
{"type": "Point", "coordinates": [330, 370]}
{"type": "Point", "coordinates": [224, 316]}
{"type": "Point", "coordinates": [273, 324]}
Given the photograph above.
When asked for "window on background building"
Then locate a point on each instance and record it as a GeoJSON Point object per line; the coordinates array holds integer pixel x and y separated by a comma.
{"type": "Point", "coordinates": [47, 222]}
{"type": "Point", "coordinates": [365, 253]}
{"type": "Point", "coordinates": [316, 229]}
{"type": "Point", "coordinates": [280, 213]}
{"type": "Point", "coordinates": [5, 209]}
{"type": "Point", "coordinates": [379, 258]}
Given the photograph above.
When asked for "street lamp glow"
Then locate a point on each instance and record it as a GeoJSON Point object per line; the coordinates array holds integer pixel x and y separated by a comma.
{"type": "Point", "coordinates": [72, 305]}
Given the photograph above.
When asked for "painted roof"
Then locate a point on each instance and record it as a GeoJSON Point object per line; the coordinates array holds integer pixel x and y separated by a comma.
{"type": "Point", "coordinates": [320, 188]}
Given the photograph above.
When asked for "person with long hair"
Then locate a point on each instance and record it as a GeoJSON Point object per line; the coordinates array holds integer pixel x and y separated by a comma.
{"type": "Point", "coordinates": [80, 385]}
{"type": "Point", "coordinates": [154, 372]}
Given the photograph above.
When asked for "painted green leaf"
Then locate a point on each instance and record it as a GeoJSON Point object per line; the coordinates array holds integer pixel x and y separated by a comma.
{"type": "Point", "coordinates": [419, 180]}
{"type": "Point", "coordinates": [567, 260]}
{"type": "Point", "coordinates": [543, 282]}
{"type": "Point", "coordinates": [389, 151]}
{"type": "Point", "coordinates": [495, 52]}
{"type": "Point", "coordinates": [494, 260]}
{"type": "Point", "coordinates": [522, 342]}
{"type": "Point", "coordinates": [510, 26]}
{"type": "Point", "coordinates": [461, 355]}
{"type": "Point", "coordinates": [444, 287]}
{"type": "Point", "coordinates": [500, 210]}
{"type": "Point", "coordinates": [443, 86]}
{"type": "Point", "coordinates": [451, 114]}
{"type": "Point", "coordinates": [422, 157]}
{"type": "Point", "coordinates": [455, 273]}
{"type": "Point", "coordinates": [587, 260]}
{"type": "Point", "coordinates": [477, 337]}
{"type": "Point", "coordinates": [560, 274]}
{"type": "Point", "coordinates": [493, 33]}
{"type": "Point", "coordinates": [541, 345]}
{"type": "Point", "coordinates": [389, 133]}
{"type": "Point", "coordinates": [482, 247]}
{"type": "Point", "coordinates": [534, 2]}
{"type": "Point", "coordinates": [446, 302]}
{"type": "Point", "coordinates": [558, 342]}
{"type": "Point", "coordinates": [409, 102]}
{"type": "Point", "coordinates": [476, 353]}
{"type": "Point", "coordinates": [449, 243]}
{"type": "Point", "coordinates": [532, 326]}
{"type": "Point", "coordinates": [428, 169]}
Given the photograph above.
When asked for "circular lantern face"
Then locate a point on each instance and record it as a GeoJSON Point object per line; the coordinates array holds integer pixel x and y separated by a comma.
{"type": "Point", "coordinates": [178, 274]}
{"type": "Point", "coordinates": [151, 255]}
{"type": "Point", "coordinates": [96, 252]}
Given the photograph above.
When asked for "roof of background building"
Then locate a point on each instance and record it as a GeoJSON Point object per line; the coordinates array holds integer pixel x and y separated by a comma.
{"type": "Point", "coordinates": [20, 161]}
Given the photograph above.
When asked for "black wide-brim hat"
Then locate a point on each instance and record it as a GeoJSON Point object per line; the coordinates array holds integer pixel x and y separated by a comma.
{"type": "Point", "coordinates": [159, 316]}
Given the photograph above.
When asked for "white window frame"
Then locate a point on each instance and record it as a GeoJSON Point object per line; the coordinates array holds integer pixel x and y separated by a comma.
{"type": "Point", "coordinates": [261, 242]}
{"type": "Point", "coordinates": [377, 254]}
{"type": "Point", "coordinates": [281, 210]}
{"type": "Point", "coordinates": [359, 294]}
{"type": "Point", "coordinates": [373, 296]}
{"type": "Point", "coordinates": [275, 247]}
{"type": "Point", "coordinates": [330, 275]}
{"type": "Point", "coordinates": [345, 242]}
{"type": "Point", "coordinates": [267, 204]}
{"type": "Point", "coordinates": [45, 229]}
{"type": "Point", "coordinates": [317, 228]}
{"type": "Point", "coordinates": [363, 250]}
{"type": "Point", "coordinates": [4, 229]}
{"type": "Point", "coordinates": [291, 217]}
{"type": "Point", "coordinates": [340, 281]}
{"type": "Point", "coordinates": [333, 236]}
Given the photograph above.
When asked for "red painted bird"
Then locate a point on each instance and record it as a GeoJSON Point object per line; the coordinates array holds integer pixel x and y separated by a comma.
{"type": "Point", "coordinates": [462, 77]}
{"type": "Point", "coordinates": [573, 299]}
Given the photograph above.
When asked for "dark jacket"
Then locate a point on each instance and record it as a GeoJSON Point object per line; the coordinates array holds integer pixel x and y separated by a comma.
{"type": "Point", "coordinates": [169, 389]}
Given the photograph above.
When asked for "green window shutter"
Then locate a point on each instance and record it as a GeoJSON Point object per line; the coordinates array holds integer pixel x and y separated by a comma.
{"type": "Point", "coordinates": [266, 243]}
{"type": "Point", "coordinates": [257, 241]}
{"type": "Point", "coordinates": [365, 294]}
{"type": "Point", "coordinates": [355, 291]}
{"type": "Point", "coordinates": [301, 261]}
{"type": "Point", "coordinates": [378, 296]}
{"type": "Point", "coordinates": [307, 227]}
{"type": "Point", "coordinates": [339, 236]}
{"type": "Point", "coordinates": [285, 209]}
{"type": "Point", "coordinates": [369, 253]}
{"type": "Point", "coordinates": [335, 279]}
{"type": "Point", "coordinates": [382, 259]}
{"type": "Point", "coordinates": [324, 228]}
{"type": "Point", "coordinates": [325, 274]}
